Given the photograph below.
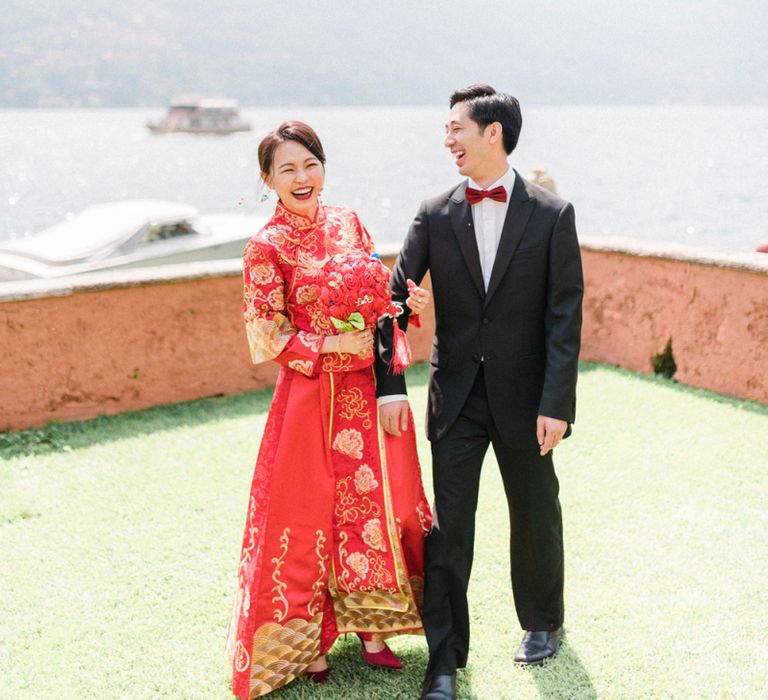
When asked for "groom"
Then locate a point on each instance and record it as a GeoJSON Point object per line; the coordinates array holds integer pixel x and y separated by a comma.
{"type": "Point", "coordinates": [506, 277]}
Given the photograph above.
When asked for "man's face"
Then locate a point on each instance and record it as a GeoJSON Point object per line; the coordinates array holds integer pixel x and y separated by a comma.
{"type": "Point", "coordinates": [468, 143]}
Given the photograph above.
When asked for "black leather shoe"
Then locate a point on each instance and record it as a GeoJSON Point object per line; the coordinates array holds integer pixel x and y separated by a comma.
{"type": "Point", "coordinates": [538, 646]}
{"type": "Point", "coordinates": [439, 688]}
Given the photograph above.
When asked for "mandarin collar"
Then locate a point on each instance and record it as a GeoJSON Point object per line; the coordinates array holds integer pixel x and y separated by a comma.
{"type": "Point", "coordinates": [299, 221]}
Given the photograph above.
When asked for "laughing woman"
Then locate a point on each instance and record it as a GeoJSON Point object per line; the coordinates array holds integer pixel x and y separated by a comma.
{"type": "Point", "coordinates": [336, 519]}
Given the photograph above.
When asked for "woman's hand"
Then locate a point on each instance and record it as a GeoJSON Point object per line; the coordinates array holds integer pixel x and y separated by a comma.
{"type": "Point", "coordinates": [352, 343]}
{"type": "Point", "coordinates": [418, 297]}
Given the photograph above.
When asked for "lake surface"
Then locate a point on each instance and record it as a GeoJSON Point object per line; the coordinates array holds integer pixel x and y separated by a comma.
{"type": "Point", "coordinates": [692, 175]}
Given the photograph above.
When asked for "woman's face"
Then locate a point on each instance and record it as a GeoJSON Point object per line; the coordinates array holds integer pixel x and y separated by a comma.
{"type": "Point", "coordinates": [297, 177]}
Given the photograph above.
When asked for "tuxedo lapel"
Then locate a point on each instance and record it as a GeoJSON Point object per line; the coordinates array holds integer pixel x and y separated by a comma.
{"type": "Point", "coordinates": [463, 228]}
{"type": "Point", "coordinates": [518, 212]}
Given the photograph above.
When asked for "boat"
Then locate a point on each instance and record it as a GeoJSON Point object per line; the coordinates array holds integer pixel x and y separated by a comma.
{"type": "Point", "coordinates": [131, 233]}
{"type": "Point", "coordinates": [200, 115]}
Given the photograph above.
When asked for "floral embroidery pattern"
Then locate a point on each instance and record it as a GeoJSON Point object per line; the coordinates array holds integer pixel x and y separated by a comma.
{"type": "Point", "coordinates": [349, 442]}
{"type": "Point", "coordinates": [353, 405]}
{"type": "Point", "coordinates": [365, 480]}
{"type": "Point", "coordinates": [337, 362]}
{"type": "Point", "coordinates": [262, 273]}
{"type": "Point", "coordinates": [358, 562]}
{"type": "Point", "coordinates": [350, 509]}
{"type": "Point", "coordinates": [372, 535]}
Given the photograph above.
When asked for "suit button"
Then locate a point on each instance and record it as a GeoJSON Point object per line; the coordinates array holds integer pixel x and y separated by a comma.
{"type": "Point", "coordinates": [475, 358]}
{"type": "Point", "coordinates": [486, 321]}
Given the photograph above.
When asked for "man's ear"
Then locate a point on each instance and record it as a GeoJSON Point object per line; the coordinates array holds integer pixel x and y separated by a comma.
{"type": "Point", "coordinates": [496, 132]}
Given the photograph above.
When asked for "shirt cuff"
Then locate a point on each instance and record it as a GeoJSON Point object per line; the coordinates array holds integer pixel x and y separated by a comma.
{"type": "Point", "coordinates": [392, 397]}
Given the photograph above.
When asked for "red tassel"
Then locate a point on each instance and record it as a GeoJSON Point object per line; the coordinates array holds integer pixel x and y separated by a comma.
{"type": "Point", "coordinates": [401, 351]}
{"type": "Point", "coordinates": [414, 320]}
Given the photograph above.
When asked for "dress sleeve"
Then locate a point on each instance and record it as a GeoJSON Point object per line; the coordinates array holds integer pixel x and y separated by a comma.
{"type": "Point", "coordinates": [366, 242]}
{"type": "Point", "coordinates": [270, 333]}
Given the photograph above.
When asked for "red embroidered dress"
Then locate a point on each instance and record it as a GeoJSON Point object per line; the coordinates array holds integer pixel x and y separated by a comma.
{"type": "Point", "coordinates": [334, 533]}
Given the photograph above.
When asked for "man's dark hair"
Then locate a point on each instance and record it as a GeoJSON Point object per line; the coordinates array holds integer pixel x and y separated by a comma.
{"type": "Point", "coordinates": [486, 106]}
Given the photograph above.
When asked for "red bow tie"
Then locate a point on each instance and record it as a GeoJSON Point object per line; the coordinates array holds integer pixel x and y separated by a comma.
{"type": "Point", "coordinates": [497, 194]}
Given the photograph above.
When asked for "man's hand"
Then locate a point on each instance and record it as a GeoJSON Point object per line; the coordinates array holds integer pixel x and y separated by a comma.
{"type": "Point", "coordinates": [549, 432]}
{"type": "Point", "coordinates": [394, 417]}
{"type": "Point", "coordinates": [418, 297]}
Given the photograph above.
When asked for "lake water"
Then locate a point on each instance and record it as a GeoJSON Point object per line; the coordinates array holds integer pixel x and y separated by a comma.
{"type": "Point", "coordinates": [692, 175]}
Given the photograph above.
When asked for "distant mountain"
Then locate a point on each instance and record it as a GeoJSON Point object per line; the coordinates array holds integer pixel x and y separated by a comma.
{"type": "Point", "coordinates": [119, 54]}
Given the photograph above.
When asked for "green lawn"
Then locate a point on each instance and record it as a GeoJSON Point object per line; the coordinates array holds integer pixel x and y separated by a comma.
{"type": "Point", "coordinates": [119, 539]}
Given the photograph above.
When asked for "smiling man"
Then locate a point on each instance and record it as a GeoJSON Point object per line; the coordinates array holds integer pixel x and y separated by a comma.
{"type": "Point", "coordinates": [507, 283]}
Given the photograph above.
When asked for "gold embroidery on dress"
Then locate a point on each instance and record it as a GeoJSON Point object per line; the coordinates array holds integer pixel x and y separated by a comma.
{"type": "Point", "coordinates": [372, 535]}
{"type": "Point", "coordinates": [349, 442]}
{"type": "Point", "coordinates": [306, 293]}
{"type": "Point", "coordinates": [345, 226]}
{"type": "Point", "coordinates": [380, 577]}
{"type": "Point", "coordinates": [318, 588]}
{"type": "Point", "coordinates": [365, 480]}
{"type": "Point", "coordinates": [280, 586]}
{"type": "Point", "coordinates": [268, 337]}
{"type": "Point", "coordinates": [359, 563]}
{"type": "Point", "coordinates": [350, 509]}
{"type": "Point", "coordinates": [318, 320]}
{"type": "Point", "coordinates": [345, 575]}
{"type": "Point", "coordinates": [241, 659]}
{"type": "Point", "coordinates": [303, 366]}
{"type": "Point", "coordinates": [353, 405]}
{"type": "Point", "coordinates": [379, 611]}
{"type": "Point", "coordinates": [282, 652]}
{"type": "Point", "coordinates": [246, 556]}
{"type": "Point", "coordinates": [422, 518]}
{"type": "Point", "coordinates": [337, 362]}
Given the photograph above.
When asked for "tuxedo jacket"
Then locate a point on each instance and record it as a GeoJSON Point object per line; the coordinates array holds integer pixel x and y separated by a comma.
{"type": "Point", "coordinates": [525, 329]}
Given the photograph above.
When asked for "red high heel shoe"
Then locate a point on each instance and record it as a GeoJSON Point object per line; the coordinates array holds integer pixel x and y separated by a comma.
{"type": "Point", "coordinates": [384, 658]}
{"type": "Point", "coordinates": [319, 677]}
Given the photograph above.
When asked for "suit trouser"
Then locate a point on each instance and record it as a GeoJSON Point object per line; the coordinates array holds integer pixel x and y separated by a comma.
{"type": "Point", "coordinates": [536, 538]}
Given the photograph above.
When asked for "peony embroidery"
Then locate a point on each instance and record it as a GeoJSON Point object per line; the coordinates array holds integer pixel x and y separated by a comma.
{"type": "Point", "coordinates": [262, 273]}
{"type": "Point", "coordinates": [358, 562]}
{"type": "Point", "coordinates": [349, 442]}
{"type": "Point", "coordinates": [372, 535]}
{"type": "Point", "coordinates": [365, 479]}
{"type": "Point", "coordinates": [306, 294]}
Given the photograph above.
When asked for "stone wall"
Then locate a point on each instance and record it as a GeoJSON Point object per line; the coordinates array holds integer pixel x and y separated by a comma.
{"type": "Point", "coordinates": [112, 342]}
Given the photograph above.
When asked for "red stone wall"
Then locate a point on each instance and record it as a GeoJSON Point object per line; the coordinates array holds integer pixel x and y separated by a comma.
{"type": "Point", "coordinates": [146, 338]}
{"type": "Point", "coordinates": [111, 347]}
{"type": "Point", "coordinates": [715, 316]}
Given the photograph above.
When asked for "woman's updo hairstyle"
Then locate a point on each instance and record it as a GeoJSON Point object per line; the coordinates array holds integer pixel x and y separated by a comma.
{"type": "Point", "coordinates": [289, 131]}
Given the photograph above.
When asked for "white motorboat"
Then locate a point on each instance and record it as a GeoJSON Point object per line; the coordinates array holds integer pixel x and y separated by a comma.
{"type": "Point", "coordinates": [199, 115]}
{"type": "Point", "coordinates": [133, 233]}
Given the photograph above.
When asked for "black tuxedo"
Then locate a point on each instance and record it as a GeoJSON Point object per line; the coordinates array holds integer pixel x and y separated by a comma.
{"type": "Point", "coordinates": [499, 359]}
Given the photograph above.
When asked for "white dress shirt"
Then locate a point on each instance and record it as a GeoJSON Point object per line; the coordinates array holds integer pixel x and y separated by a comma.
{"type": "Point", "coordinates": [488, 216]}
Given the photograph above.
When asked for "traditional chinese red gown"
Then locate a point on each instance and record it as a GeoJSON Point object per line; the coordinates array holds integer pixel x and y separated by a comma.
{"type": "Point", "coordinates": [337, 514]}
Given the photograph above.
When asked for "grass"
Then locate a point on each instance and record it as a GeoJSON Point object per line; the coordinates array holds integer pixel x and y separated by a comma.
{"type": "Point", "coordinates": [119, 539]}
